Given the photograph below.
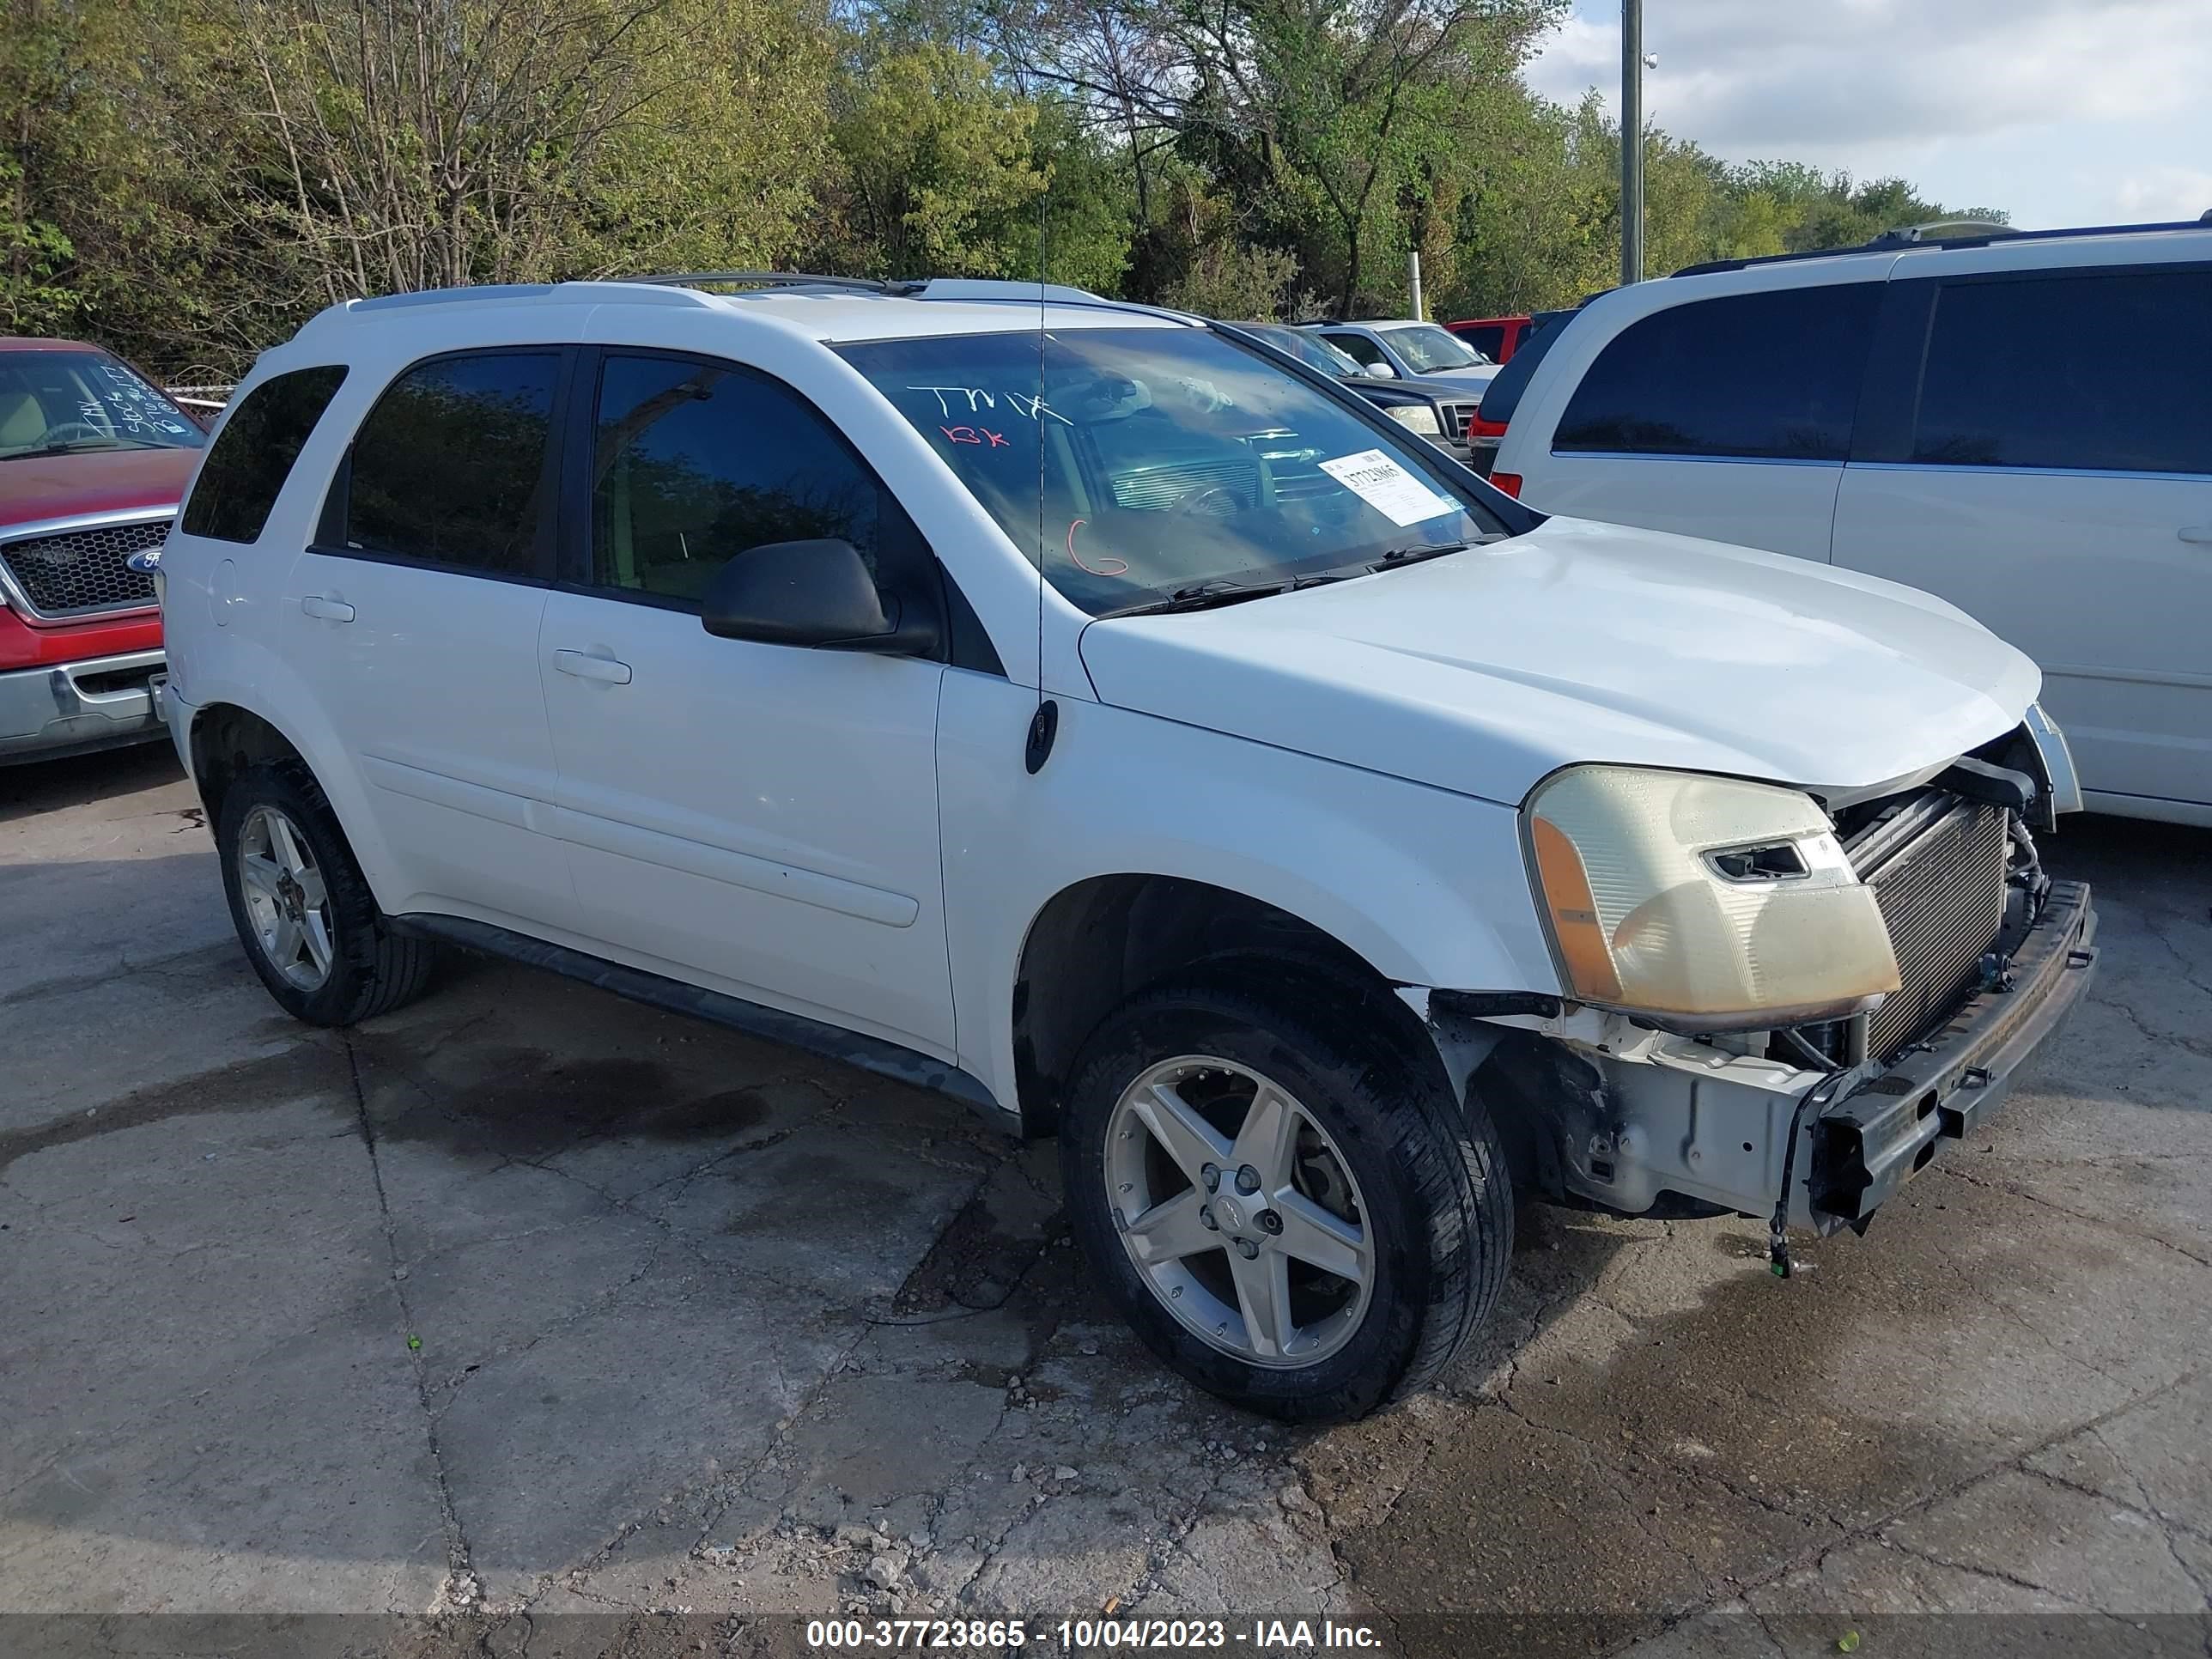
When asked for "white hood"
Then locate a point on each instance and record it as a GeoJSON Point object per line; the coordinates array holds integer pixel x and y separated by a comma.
{"type": "Point", "coordinates": [1475, 378]}
{"type": "Point", "coordinates": [1483, 671]}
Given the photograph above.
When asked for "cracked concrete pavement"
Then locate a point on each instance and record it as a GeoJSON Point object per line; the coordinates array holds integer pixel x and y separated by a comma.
{"type": "Point", "coordinates": [526, 1300]}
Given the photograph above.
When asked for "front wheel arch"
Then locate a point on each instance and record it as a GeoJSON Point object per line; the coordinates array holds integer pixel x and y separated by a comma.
{"type": "Point", "coordinates": [1101, 941]}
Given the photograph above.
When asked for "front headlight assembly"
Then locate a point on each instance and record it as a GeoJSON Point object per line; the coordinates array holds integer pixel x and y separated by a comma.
{"type": "Point", "coordinates": [1702, 903]}
{"type": "Point", "coordinates": [1418, 417]}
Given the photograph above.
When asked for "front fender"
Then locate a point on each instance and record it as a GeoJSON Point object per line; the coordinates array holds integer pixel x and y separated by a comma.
{"type": "Point", "coordinates": [1426, 886]}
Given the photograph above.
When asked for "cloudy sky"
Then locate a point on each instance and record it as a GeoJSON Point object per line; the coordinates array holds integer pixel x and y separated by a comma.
{"type": "Point", "coordinates": [2062, 112]}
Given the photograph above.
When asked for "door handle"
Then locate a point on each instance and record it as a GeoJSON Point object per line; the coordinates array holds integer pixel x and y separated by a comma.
{"type": "Point", "coordinates": [586, 667]}
{"type": "Point", "coordinates": [2199, 534]}
{"type": "Point", "coordinates": [329, 610]}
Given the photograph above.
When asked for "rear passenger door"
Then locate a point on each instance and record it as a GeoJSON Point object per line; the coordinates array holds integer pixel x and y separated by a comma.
{"type": "Point", "coordinates": [1729, 418]}
{"type": "Point", "coordinates": [759, 818]}
{"type": "Point", "coordinates": [2063, 495]}
{"type": "Point", "coordinates": [414, 616]}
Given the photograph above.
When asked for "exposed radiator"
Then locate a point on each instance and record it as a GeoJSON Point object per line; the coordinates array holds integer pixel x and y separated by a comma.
{"type": "Point", "coordinates": [1937, 868]}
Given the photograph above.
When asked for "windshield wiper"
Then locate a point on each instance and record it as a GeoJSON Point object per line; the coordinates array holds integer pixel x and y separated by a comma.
{"type": "Point", "coordinates": [1398, 556]}
{"type": "Point", "coordinates": [1200, 596]}
{"type": "Point", "coordinates": [72, 446]}
{"type": "Point", "coordinates": [1216, 590]}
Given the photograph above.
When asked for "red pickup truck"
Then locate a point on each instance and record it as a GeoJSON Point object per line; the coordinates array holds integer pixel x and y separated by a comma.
{"type": "Point", "coordinates": [92, 460]}
{"type": "Point", "coordinates": [1496, 338]}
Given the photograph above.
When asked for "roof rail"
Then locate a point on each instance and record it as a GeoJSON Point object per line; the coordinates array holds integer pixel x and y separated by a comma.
{"type": "Point", "coordinates": [446, 296]}
{"type": "Point", "coordinates": [771, 279]}
{"type": "Point", "coordinates": [1948, 232]}
{"type": "Point", "coordinates": [575, 293]}
{"type": "Point", "coordinates": [971, 288]}
{"type": "Point", "coordinates": [1943, 230]}
{"type": "Point", "coordinates": [1010, 288]}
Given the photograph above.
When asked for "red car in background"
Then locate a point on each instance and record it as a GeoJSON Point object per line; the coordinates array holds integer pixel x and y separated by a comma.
{"type": "Point", "coordinates": [94, 458]}
{"type": "Point", "coordinates": [1496, 338]}
{"type": "Point", "coordinates": [1502, 338]}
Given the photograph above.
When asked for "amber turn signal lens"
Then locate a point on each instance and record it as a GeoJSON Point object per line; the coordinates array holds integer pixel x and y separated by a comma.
{"type": "Point", "coordinates": [1575, 924]}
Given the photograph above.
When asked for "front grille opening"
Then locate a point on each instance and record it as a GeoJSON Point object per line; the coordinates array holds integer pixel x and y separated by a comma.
{"type": "Point", "coordinates": [77, 572]}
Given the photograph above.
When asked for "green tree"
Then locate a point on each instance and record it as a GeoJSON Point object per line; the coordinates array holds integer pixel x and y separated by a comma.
{"type": "Point", "coordinates": [107, 230]}
{"type": "Point", "coordinates": [187, 180]}
{"type": "Point", "coordinates": [424, 143]}
{"type": "Point", "coordinates": [939, 159]}
{"type": "Point", "coordinates": [1086, 212]}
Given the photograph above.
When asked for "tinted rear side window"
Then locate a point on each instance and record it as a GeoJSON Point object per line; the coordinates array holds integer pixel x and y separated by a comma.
{"type": "Point", "coordinates": [243, 474]}
{"type": "Point", "coordinates": [1761, 376]}
{"type": "Point", "coordinates": [1995, 392]}
{"type": "Point", "coordinates": [451, 465]}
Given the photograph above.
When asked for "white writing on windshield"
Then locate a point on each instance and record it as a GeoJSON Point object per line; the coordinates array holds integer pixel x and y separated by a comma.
{"type": "Point", "coordinates": [975, 399]}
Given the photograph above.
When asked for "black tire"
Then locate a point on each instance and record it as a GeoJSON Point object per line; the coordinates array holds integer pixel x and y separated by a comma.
{"type": "Point", "coordinates": [1438, 1198]}
{"type": "Point", "coordinates": [372, 969]}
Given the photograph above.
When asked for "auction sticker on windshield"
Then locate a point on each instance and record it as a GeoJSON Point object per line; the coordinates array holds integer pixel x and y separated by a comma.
{"type": "Point", "coordinates": [1387, 487]}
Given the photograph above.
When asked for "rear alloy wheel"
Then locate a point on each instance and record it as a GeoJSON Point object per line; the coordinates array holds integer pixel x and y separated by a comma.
{"type": "Point", "coordinates": [1279, 1193]}
{"type": "Point", "coordinates": [286, 901]}
{"type": "Point", "coordinates": [303, 910]}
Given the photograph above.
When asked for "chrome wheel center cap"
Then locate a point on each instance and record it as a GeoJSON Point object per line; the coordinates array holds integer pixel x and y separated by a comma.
{"type": "Point", "coordinates": [1230, 1212]}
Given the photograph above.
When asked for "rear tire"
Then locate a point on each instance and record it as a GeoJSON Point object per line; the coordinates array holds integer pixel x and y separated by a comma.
{"type": "Point", "coordinates": [1392, 1213]}
{"type": "Point", "coordinates": [301, 907]}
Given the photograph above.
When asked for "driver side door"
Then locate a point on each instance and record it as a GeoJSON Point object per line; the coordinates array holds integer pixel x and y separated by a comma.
{"type": "Point", "coordinates": [758, 818]}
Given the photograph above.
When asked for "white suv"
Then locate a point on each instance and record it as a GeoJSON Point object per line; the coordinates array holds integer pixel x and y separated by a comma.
{"type": "Point", "coordinates": [2020, 423]}
{"type": "Point", "coordinates": [1322, 845]}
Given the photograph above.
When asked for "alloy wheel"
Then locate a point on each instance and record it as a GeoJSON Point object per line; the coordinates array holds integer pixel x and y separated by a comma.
{"type": "Point", "coordinates": [286, 898]}
{"type": "Point", "coordinates": [1239, 1212]}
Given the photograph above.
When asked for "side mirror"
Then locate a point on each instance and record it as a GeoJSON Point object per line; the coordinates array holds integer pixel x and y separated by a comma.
{"type": "Point", "coordinates": [1379, 370]}
{"type": "Point", "coordinates": [807, 593]}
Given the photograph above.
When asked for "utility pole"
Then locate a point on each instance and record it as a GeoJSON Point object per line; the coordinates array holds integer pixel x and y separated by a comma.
{"type": "Point", "coordinates": [1414, 285]}
{"type": "Point", "coordinates": [1631, 141]}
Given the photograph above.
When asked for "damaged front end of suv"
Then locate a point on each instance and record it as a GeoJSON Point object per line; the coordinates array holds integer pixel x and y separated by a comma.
{"type": "Point", "coordinates": [1780, 1002]}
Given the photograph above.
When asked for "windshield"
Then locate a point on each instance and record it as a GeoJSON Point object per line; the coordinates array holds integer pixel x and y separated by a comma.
{"type": "Point", "coordinates": [1307, 347]}
{"type": "Point", "coordinates": [1171, 457]}
{"type": "Point", "coordinates": [1429, 349]}
{"type": "Point", "coordinates": [60, 402]}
